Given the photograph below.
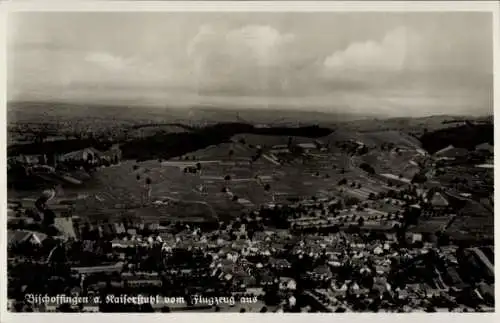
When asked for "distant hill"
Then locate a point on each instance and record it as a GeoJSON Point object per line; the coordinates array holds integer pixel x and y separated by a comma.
{"type": "Point", "coordinates": [176, 144]}
{"type": "Point", "coordinates": [56, 147]}
{"type": "Point", "coordinates": [466, 136]}
{"type": "Point", "coordinates": [375, 138]}
{"type": "Point", "coordinates": [267, 140]}
{"type": "Point", "coordinates": [201, 115]}
{"type": "Point", "coordinates": [168, 145]}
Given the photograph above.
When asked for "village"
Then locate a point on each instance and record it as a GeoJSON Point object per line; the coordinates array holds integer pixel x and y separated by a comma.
{"type": "Point", "coordinates": [365, 245]}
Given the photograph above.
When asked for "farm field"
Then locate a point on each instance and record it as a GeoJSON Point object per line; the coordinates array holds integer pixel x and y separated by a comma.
{"type": "Point", "coordinates": [122, 189]}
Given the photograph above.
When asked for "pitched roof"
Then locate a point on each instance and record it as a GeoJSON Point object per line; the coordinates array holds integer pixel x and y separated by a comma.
{"type": "Point", "coordinates": [16, 237]}
{"type": "Point", "coordinates": [65, 227]}
{"type": "Point", "coordinates": [485, 146]}
{"type": "Point", "coordinates": [439, 200]}
{"type": "Point", "coordinates": [81, 152]}
{"type": "Point", "coordinates": [451, 151]}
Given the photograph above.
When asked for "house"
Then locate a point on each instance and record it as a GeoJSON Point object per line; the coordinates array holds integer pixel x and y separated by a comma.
{"type": "Point", "coordinates": [453, 276]}
{"type": "Point", "coordinates": [485, 263]}
{"type": "Point", "coordinates": [86, 155]}
{"type": "Point", "coordinates": [437, 200]}
{"type": "Point", "coordinates": [119, 228]}
{"type": "Point", "coordinates": [267, 279]}
{"type": "Point", "coordinates": [117, 268]}
{"type": "Point", "coordinates": [287, 283]}
{"type": "Point", "coordinates": [487, 292]}
{"type": "Point", "coordinates": [113, 155]}
{"type": "Point", "coordinates": [17, 238]}
{"type": "Point", "coordinates": [256, 291]}
{"type": "Point", "coordinates": [378, 250]}
{"type": "Point", "coordinates": [485, 147]}
{"type": "Point", "coordinates": [65, 226]}
{"type": "Point", "coordinates": [381, 285]}
{"type": "Point", "coordinates": [32, 159]}
{"type": "Point", "coordinates": [307, 147]}
{"type": "Point", "coordinates": [451, 153]}
{"type": "Point", "coordinates": [144, 282]}
{"type": "Point", "coordinates": [416, 237]}
{"type": "Point", "coordinates": [280, 149]}
{"type": "Point", "coordinates": [322, 272]}
{"type": "Point", "coordinates": [279, 264]}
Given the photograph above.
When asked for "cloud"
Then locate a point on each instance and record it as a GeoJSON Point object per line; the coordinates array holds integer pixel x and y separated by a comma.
{"type": "Point", "coordinates": [264, 43]}
{"type": "Point", "coordinates": [245, 60]}
{"type": "Point", "coordinates": [389, 54]}
{"type": "Point", "coordinates": [268, 59]}
{"type": "Point", "coordinates": [106, 60]}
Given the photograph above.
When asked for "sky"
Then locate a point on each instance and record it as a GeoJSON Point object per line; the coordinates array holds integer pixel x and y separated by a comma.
{"type": "Point", "coordinates": [398, 64]}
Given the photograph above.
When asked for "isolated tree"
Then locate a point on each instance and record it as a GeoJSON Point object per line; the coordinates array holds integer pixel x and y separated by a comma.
{"type": "Point", "coordinates": [267, 187]}
{"type": "Point", "coordinates": [227, 178]}
{"type": "Point", "coordinates": [138, 177]}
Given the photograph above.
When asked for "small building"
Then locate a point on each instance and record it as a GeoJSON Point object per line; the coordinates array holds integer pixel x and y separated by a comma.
{"type": "Point", "coordinates": [18, 238]}
{"type": "Point", "coordinates": [86, 155]}
{"type": "Point", "coordinates": [437, 200]}
{"type": "Point", "coordinates": [307, 147]}
{"type": "Point", "coordinates": [451, 153]}
{"type": "Point", "coordinates": [116, 268]}
{"type": "Point", "coordinates": [280, 149]}
{"type": "Point", "coordinates": [279, 264]}
{"type": "Point", "coordinates": [288, 284]}
{"type": "Point", "coordinates": [485, 147]}
{"type": "Point", "coordinates": [65, 226]}
{"type": "Point", "coordinates": [31, 159]}
{"type": "Point", "coordinates": [113, 155]}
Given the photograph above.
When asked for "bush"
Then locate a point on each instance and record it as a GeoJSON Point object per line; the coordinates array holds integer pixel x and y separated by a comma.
{"type": "Point", "coordinates": [367, 168]}
{"type": "Point", "coordinates": [343, 181]}
{"type": "Point", "coordinates": [419, 178]}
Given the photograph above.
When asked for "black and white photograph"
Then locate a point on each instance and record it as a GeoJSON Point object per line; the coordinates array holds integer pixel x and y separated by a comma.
{"type": "Point", "coordinates": [250, 161]}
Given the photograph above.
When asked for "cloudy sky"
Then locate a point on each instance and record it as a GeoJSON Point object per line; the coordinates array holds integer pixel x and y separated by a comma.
{"type": "Point", "coordinates": [390, 63]}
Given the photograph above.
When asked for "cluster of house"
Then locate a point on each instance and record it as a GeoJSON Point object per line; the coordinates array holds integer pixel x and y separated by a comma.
{"type": "Point", "coordinates": [90, 155]}
{"type": "Point", "coordinates": [341, 264]}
